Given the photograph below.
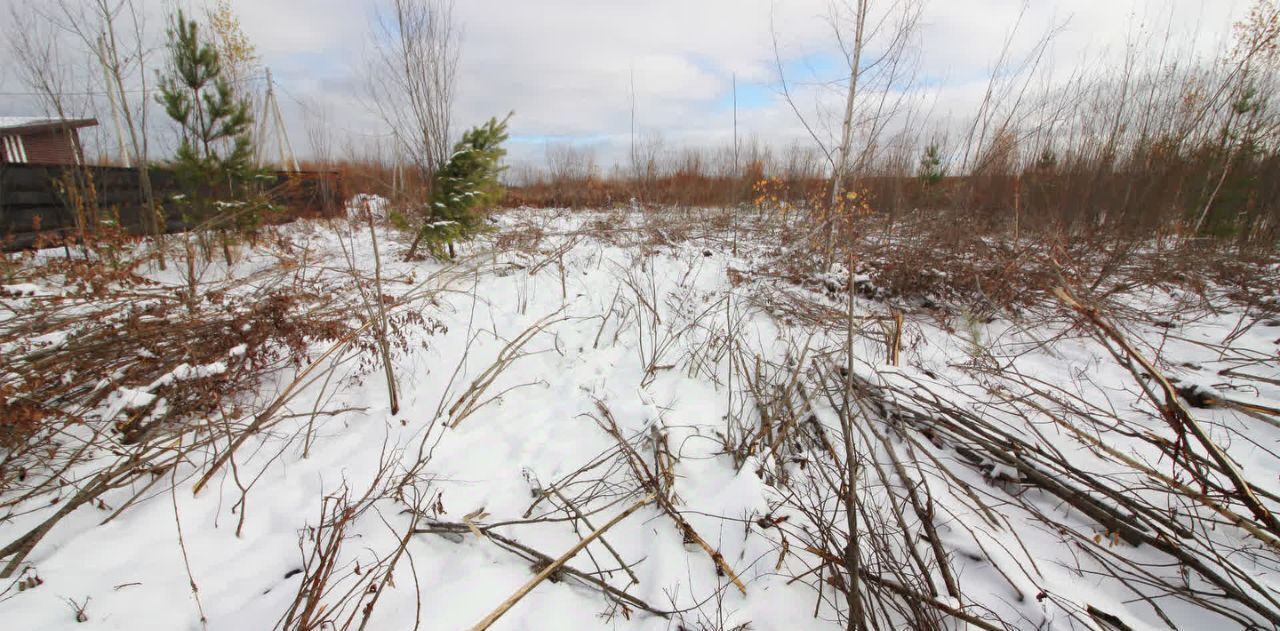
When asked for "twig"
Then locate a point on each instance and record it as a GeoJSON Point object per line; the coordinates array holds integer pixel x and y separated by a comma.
{"type": "Point", "coordinates": [650, 480]}
{"type": "Point", "coordinates": [554, 565]}
{"type": "Point", "coordinates": [541, 560]}
{"type": "Point", "coordinates": [182, 545]}
{"type": "Point", "coordinates": [605, 542]}
{"type": "Point", "coordinates": [1177, 415]}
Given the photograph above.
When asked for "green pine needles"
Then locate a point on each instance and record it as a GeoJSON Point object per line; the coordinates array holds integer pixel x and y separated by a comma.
{"type": "Point", "coordinates": [931, 169]}
{"type": "Point", "coordinates": [214, 162]}
{"type": "Point", "coordinates": [467, 183]}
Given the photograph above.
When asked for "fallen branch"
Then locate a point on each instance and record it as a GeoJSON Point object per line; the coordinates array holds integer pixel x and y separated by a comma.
{"type": "Point", "coordinates": [650, 480]}
{"type": "Point", "coordinates": [540, 559]}
{"type": "Point", "coordinates": [1177, 415]}
{"type": "Point", "coordinates": [556, 564]}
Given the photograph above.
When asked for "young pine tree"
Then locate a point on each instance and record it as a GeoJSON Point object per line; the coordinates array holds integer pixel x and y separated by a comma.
{"type": "Point", "coordinates": [214, 162]}
{"type": "Point", "coordinates": [931, 169]}
{"type": "Point", "coordinates": [462, 187]}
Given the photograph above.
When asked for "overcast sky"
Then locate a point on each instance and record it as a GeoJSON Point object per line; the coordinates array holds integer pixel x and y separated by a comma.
{"type": "Point", "coordinates": [565, 66]}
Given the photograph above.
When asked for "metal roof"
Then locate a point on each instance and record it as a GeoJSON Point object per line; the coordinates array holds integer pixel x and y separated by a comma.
{"type": "Point", "coordinates": [30, 124]}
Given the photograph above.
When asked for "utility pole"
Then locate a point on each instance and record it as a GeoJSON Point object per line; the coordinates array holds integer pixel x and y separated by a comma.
{"type": "Point", "coordinates": [260, 128]}
{"type": "Point", "coordinates": [635, 166]}
{"type": "Point", "coordinates": [287, 159]}
{"type": "Point", "coordinates": [111, 98]}
{"type": "Point", "coordinates": [395, 176]}
{"type": "Point", "coordinates": [735, 124]}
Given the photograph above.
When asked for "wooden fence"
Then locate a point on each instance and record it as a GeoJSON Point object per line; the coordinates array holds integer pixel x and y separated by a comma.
{"type": "Point", "coordinates": [37, 201]}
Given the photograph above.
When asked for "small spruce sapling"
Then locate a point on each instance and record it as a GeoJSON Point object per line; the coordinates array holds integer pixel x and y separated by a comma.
{"type": "Point", "coordinates": [461, 188]}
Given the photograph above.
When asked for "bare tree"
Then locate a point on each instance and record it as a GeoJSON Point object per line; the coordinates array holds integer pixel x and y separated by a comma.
{"type": "Point", "coordinates": [1007, 91]}
{"type": "Point", "coordinates": [875, 41]}
{"type": "Point", "coordinates": [853, 53]}
{"type": "Point", "coordinates": [649, 151]}
{"type": "Point", "coordinates": [874, 38]}
{"type": "Point", "coordinates": [568, 163]}
{"type": "Point", "coordinates": [242, 65]}
{"type": "Point", "coordinates": [1251, 82]}
{"type": "Point", "coordinates": [37, 51]}
{"type": "Point", "coordinates": [114, 32]}
{"type": "Point", "coordinates": [416, 53]}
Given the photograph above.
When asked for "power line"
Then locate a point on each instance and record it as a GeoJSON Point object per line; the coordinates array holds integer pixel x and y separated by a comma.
{"type": "Point", "coordinates": [262, 77]}
{"type": "Point", "coordinates": [146, 91]}
{"type": "Point", "coordinates": [307, 108]}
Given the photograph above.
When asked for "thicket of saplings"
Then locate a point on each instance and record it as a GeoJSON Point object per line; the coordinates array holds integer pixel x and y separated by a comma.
{"type": "Point", "coordinates": [1166, 144]}
{"type": "Point", "coordinates": [1171, 173]}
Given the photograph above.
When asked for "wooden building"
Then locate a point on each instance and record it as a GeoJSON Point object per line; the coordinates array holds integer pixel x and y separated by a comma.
{"type": "Point", "coordinates": [42, 141]}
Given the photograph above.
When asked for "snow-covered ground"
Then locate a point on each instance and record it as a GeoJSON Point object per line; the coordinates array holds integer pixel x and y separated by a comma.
{"type": "Point", "coordinates": [528, 359]}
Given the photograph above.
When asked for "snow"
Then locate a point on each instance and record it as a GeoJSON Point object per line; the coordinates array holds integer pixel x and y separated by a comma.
{"type": "Point", "coordinates": [185, 372]}
{"type": "Point", "coordinates": [24, 289]}
{"type": "Point", "coordinates": [126, 399]}
{"type": "Point", "coordinates": [658, 374]}
{"type": "Point", "coordinates": [23, 121]}
{"type": "Point", "coordinates": [47, 341]}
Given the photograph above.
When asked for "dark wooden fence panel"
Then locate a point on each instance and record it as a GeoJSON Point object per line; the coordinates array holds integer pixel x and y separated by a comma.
{"type": "Point", "coordinates": [34, 201]}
